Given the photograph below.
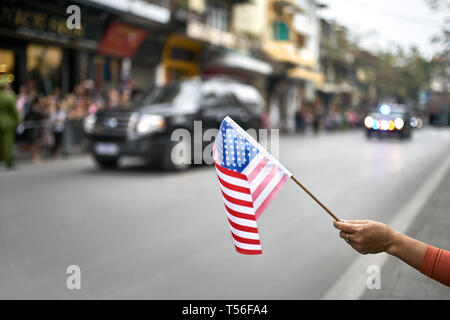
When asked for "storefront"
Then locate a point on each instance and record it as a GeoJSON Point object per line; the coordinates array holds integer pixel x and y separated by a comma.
{"type": "Point", "coordinates": [39, 49]}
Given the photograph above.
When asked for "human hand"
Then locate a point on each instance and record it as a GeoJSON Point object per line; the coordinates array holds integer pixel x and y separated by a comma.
{"type": "Point", "coordinates": [366, 236]}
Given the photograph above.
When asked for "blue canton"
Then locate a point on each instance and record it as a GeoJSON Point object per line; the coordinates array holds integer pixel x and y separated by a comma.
{"type": "Point", "coordinates": [233, 150]}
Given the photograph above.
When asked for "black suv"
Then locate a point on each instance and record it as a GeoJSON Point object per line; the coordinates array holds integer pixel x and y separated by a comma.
{"type": "Point", "coordinates": [145, 130]}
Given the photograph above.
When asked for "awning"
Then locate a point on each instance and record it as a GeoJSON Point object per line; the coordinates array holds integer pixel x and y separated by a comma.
{"type": "Point", "coordinates": [243, 62]}
{"type": "Point", "coordinates": [336, 88]}
{"type": "Point", "coordinates": [300, 73]}
{"type": "Point", "coordinates": [285, 51]}
{"type": "Point", "coordinates": [290, 6]}
{"type": "Point", "coordinates": [139, 8]}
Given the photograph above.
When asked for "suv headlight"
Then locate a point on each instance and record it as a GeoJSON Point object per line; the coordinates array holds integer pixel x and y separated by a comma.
{"type": "Point", "coordinates": [150, 123]}
{"type": "Point", "coordinates": [89, 123]}
{"type": "Point", "coordinates": [368, 122]}
{"type": "Point", "coordinates": [399, 123]}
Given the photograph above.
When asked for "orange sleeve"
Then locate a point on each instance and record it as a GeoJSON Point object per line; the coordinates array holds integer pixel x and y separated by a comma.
{"type": "Point", "coordinates": [436, 265]}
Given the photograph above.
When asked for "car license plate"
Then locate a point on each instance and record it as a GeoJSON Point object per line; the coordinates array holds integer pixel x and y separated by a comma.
{"type": "Point", "coordinates": [107, 149]}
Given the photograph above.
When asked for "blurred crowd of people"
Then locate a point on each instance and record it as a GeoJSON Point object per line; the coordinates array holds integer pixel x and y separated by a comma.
{"type": "Point", "coordinates": [52, 124]}
{"type": "Point", "coordinates": [48, 120]}
{"type": "Point", "coordinates": [316, 117]}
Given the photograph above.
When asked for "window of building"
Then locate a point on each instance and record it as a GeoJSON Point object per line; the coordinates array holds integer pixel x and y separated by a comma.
{"type": "Point", "coordinates": [280, 30]}
{"type": "Point", "coordinates": [44, 67]}
{"type": "Point", "coordinates": [182, 54]}
{"type": "Point", "coordinates": [217, 15]}
{"type": "Point", "coordinates": [7, 58]}
{"type": "Point", "coordinates": [301, 40]}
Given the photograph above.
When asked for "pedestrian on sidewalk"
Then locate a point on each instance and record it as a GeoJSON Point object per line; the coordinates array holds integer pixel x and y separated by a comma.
{"type": "Point", "coordinates": [9, 119]}
{"type": "Point", "coordinates": [366, 236]}
{"type": "Point", "coordinates": [33, 131]}
{"type": "Point", "coordinates": [317, 116]}
{"type": "Point", "coordinates": [57, 119]}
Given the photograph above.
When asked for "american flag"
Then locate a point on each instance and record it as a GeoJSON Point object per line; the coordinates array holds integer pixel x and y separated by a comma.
{"type": "Point", "coordinates": [250, 178]}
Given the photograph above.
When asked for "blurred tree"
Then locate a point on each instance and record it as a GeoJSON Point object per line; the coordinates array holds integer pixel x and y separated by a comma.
{"type": "Point", "coordinates": [396, 75]}
{"type": "Point", "coordinates": [442, 60]}
{"type": "Point", "coordinates": [402, 74]}
{"type": "Point", "coordinates": [443, 38]}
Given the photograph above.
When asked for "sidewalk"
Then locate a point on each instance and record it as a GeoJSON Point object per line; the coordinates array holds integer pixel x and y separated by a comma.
{"type": "Point", "coordinates": [21, 155]}
{"type": "Point", "coordinates": [399, 280]}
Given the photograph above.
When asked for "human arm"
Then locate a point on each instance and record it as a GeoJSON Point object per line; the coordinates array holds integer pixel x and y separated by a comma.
{"type": "Point", "coordinates": [366, 236]}
{"type": "Point", "coordinates": [436, 265]}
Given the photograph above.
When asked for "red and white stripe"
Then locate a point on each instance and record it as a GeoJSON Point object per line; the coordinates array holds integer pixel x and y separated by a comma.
{"type": "Point", "coordinates": [240, 212]}
{"type": "Point", "coordinates": [265, 180]}
{"type": "Point", "coordinates": [246, 195]}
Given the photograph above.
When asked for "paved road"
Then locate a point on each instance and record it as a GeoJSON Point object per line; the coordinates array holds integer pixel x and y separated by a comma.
{"type": "Point", "coordinates": [137, 233]}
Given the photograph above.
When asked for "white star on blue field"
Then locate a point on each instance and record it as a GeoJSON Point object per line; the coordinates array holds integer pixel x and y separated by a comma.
{"type": "Point", "coordinates": [234, 151]}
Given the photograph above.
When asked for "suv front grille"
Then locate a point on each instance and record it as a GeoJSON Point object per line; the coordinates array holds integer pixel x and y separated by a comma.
{"type": "Point", "coordinates": [113, 123]}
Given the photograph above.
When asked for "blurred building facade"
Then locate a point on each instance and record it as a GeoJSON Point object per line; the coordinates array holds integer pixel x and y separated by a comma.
{"type": "Point", "coordinates": [297, 60]}
{"type": "Point", "coordinates": [339, 89]}
{"type": "Point", "coordinates": [291, 40]}
{"type": "Point", "coordinates": [230, 45]}
{"type": "Point", "coordinates": [46, 55]}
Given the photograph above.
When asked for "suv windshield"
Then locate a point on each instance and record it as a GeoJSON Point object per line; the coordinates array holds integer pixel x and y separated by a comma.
{"type": "Point", "coordinates": [179, 95]}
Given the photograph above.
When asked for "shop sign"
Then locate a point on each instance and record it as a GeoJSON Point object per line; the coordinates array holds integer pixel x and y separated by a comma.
{"type": "Point", "coordinates": [50, 25]}
{"type": "Point", "coordinates": [122, 40]}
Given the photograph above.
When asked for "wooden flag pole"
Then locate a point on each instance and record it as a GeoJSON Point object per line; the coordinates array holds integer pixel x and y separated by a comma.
{"type": "Point", "coordinates": [315, 199]}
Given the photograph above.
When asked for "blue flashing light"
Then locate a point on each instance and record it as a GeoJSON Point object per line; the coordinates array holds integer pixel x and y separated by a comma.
{"type": "Point", "coordinates": [375, 125]}
{"type": "Point", "coordinates": [385, 109]}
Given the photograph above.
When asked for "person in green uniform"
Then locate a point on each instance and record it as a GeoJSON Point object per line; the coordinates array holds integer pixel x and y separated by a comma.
{"type": "Point", "coordinates": [9, 119]}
